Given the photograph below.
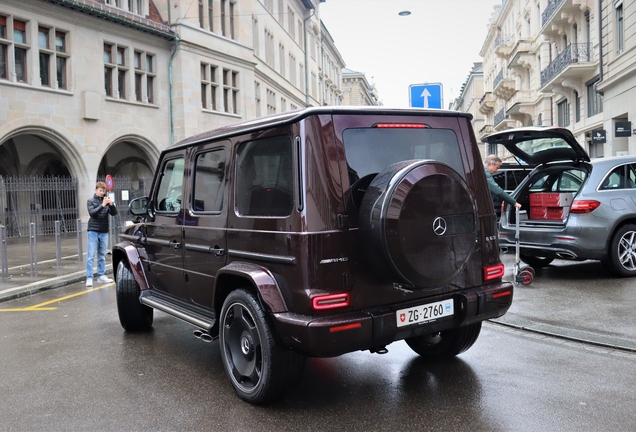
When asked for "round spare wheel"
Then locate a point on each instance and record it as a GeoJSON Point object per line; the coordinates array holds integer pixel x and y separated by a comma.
{"type": "Point", "coordinates": [417, 224]}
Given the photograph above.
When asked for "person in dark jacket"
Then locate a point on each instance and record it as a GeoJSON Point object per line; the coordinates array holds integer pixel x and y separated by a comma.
{"type": "Point", "coordinates": [99, 207]}
{"type": "Point", "coordinates": [491, 165]}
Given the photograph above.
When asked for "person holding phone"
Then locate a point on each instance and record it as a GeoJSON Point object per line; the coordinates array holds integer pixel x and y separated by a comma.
{"type": "Point", "coordinates": [99, 207]}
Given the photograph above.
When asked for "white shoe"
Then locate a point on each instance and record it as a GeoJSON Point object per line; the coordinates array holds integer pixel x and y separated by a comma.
{"type": "Point", "coordinates": [104, 279]}
{"type": "Point", "coordinates": [89, 283]}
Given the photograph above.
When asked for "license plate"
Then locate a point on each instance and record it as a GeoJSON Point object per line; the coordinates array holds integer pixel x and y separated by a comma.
{"type": "Point", "coordinates": [424, 313]}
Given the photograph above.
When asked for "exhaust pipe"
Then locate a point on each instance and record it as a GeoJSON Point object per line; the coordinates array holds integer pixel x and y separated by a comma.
{"type": "Point", "coordinates": [378, 350]}
{"type": "Point", "coordinates": [566, 255]}
{"type": "Point", "coordinates": [205, 337]}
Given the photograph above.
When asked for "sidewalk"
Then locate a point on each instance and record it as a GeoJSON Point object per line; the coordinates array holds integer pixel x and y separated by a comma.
{"type": "Point", "coordinates": [20, 280]}
{"type": "Point", "coordinates": [573, 300]}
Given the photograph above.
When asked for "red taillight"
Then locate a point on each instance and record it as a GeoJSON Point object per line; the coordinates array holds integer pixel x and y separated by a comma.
{"type": "Point", "coordinates": [330, 301]}
{"type": "Point", "coordinates": [503, 205]}
{"type": "Point", "coordinates": [493, 272]}
{"type": "Point", "coordinates": [584, 206]}
{"type": "Point", "coordinates": [502, 294]}
{"type": "Point", "coordinates": [401, 125]}
{"type": "Point", "coordinates": [345, 327]}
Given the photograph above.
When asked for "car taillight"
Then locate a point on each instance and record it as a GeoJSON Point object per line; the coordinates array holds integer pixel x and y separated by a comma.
{"type": "Point", "coordinates": [330, 301]}
{"type": "Point", "coordinates": [584, 206]}
{"type": "Point", "coordinates": [503, 204]}
{"type": "Point", "coordinates": [493, 272]}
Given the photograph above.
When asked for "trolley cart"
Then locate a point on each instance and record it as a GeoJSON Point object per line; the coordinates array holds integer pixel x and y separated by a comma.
{"type": "Point", "coordinates": [524, 275]}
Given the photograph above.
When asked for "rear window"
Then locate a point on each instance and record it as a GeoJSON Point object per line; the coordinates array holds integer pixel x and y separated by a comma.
{"type": "Point", "coordinates": [569, 180]}
{"type": "Point", "coordinates": [369, 151]}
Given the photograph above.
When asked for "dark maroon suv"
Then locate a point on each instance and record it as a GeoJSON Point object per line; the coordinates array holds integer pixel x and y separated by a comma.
{"type": "Point", "coordinates": [316, 233]}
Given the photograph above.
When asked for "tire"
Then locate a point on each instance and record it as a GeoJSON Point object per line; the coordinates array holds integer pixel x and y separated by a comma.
{"type": "Point", "coordinates": [534, 261]}
{"type": "Point", "coordinates": [417, 224]}
{"type": "Point", "coordinates": [622, 253]}
{"type": "Point", "coordinates": [258, 366]}
{"type": "Point", "coordinates": [133, 315]}
{"type": "Point", "coordinates": [447, 343]}
{"type": "Point", "coordinates": [525, 277]}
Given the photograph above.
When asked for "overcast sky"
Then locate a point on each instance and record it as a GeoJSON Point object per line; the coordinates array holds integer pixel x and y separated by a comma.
{"type": "Point", "coordinates": [437, 43]}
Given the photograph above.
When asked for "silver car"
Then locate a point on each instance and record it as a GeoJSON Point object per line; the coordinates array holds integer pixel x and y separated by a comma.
{"type": "Point", "coordinates": [591, 205]}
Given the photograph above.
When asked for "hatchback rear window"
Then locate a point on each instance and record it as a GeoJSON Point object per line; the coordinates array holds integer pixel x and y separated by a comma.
{"type": "Point", "coordinates": [369, 151]}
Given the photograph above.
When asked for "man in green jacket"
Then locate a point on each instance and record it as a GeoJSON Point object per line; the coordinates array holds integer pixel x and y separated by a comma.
{"type": "Point", "coordinates": [491, 165]}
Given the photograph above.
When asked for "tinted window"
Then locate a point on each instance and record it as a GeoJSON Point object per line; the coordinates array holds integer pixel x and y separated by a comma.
{"type": "Point", "coordinates": [209, 178]}
{"type": "Point", "coordinates": [369, 151]}
{"type": "Point", "coordinates": [631, 176]}
{"type": "Point", "coordinates": [264, 178]}
{"type": "Point", "coordinates": [170, 186]}
{"type": "Point", "coordinates": [621, 177]}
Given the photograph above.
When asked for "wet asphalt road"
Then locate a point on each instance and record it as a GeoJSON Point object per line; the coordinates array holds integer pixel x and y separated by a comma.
{"type": "Point", "coordinates": [70, 366]}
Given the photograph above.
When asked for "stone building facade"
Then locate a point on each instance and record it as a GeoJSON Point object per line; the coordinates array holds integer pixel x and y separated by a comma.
{"type": "Point", "coordinates": [357, 90]}
{"type": "Point", "coordinates": [469, 99]}
{"type": "Point", "coordinates": [562, 62]}
{"type": "Point", "coordinates": [89, 88]}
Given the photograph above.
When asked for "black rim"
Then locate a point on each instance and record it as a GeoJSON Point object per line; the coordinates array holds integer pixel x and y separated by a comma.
{"type": "Point", "coordinates": [242, 347]}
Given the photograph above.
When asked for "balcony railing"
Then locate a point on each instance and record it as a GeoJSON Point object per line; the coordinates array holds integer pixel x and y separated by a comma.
{"type": "Point", "coordinates": [502, 40]}
{"type": "Point", "coordinates": [574, 53]}
{"type": "Point", "coordinates": [547, 13]}
{"type": "Point", "coordinates": [499, 117]}
{"type": "Point", "coordinates": [497, 79]}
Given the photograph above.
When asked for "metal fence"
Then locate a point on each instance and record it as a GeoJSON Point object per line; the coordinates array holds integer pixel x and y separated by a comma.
{"type": "Point", "coordinates": [44, 200]}
{"type": "Point", "coordinates": [38, 200]}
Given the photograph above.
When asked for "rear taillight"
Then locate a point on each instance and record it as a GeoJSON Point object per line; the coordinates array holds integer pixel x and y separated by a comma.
{"type": "Point", "coordinates": [503, 205]}
{"type": "Point", "coordinates": [330, 301]}
{"type": "Point", "coordinates": [584, 206]}
{"type": "Point", "coordinates": [493, 272]}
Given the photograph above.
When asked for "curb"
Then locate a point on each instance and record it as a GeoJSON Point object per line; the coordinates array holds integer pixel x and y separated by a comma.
{"type": "Point", "coordinates": [47, 284]}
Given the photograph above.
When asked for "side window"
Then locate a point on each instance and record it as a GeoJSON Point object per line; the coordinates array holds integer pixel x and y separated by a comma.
{"type": "Point", "coordinates": [209, 179]}
{"type": "Point", "coordinates": [170, 186]}
{"type": "Point", "coordinates": [631, 176]}
{"type": "Point", "coordinates": [570, 181]}
{"type": "Point", "coordinates": [615, 179]}
{"type": "Point", "coordinates": [264, 177]}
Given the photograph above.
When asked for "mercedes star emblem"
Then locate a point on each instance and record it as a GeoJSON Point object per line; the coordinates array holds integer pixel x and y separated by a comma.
{"type": "Point", "coordinates": [439, 226]}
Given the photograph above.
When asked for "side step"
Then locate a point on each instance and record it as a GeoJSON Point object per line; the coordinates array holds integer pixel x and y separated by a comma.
{"type": "Point", "coordinates": [200, 320]}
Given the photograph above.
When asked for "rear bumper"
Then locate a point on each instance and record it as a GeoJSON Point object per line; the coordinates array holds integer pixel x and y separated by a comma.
{"type": "Point", "coordinates": [334, 335]}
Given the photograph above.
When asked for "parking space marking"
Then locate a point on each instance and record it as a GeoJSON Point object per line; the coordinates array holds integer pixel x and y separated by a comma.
{"type": "Point", "coordinates": [40, 306]}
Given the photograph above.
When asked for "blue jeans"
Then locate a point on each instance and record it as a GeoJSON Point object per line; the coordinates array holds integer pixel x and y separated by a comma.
{"type": "Point", "coordinates": [97, 242]}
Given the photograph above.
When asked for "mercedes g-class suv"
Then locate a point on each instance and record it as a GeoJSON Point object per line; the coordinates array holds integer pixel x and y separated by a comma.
{"type": "Point", "coordinates": [317, 233]}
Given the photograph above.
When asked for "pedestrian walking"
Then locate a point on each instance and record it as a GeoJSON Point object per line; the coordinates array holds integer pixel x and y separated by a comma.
{"type": "Point", "coordinates": [99, 207]}
{"type": "Point", "coordinates": [491, 166]}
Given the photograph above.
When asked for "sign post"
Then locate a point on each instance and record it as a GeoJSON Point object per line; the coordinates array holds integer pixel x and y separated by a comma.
{"type": "Point", "coordinates": [428, 95]}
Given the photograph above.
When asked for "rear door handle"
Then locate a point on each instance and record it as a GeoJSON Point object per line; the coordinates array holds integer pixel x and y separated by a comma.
{"type": "Point", "coordinates": [217, 251]}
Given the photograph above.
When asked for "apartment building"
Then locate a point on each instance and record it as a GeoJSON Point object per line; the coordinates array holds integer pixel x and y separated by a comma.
{"type": "Point", "coordinates": [618, 76]}
{"type": "Point", "coordinates": [470, 97]}
{"type": "Point", "coordinates": [89, 88]}
{"type": "Point", "coordinates": [562, 62]}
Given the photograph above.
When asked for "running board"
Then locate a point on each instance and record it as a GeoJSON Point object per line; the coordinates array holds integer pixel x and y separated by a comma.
{"type": "Point", "coordinates": [196, 319]}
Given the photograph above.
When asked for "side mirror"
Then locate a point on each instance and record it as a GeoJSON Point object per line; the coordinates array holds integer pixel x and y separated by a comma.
{"type": "Point", "coordinates": [138, 206]}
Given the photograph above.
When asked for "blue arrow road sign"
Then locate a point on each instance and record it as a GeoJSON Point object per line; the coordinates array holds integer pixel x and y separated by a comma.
{"type": "Point", "coordinates": [427, 95]}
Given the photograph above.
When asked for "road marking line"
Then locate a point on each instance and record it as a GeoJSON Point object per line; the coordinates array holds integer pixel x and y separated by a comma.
{"type": "Point", "coordinates": [39, 307]}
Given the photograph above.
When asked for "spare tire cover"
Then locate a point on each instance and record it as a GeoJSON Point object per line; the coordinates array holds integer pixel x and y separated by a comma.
{"type": "Point", "coordinates": [417, 224]}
